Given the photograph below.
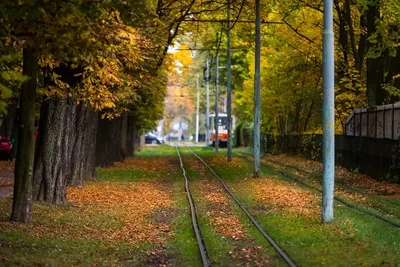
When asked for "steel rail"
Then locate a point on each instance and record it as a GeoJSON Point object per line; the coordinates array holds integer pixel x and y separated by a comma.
{"type": "Point", "coordinates": [195, 222]}
{"type": "Point", "coordinates": [341, 200]}
{"type": "Point", "coordinates": [273, 243]}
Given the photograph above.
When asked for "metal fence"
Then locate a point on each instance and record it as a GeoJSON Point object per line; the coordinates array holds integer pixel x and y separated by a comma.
{"type": "Point", "coordinates": [376, 157]}
{"type": "Point", "coordinates": [379, 158]}
{"type": "Point", "coordinates": [377, 122]}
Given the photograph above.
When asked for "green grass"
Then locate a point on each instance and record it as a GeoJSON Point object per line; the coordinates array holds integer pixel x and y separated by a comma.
{"type": "Point", "coordinates": [374, 204]}
{"type": "Point", "coordinates": [28, 245]}
{"type": "Point", "coordinates": [219, 247]}
{"type": "Point", "coordinates": [19, 248]}
{"type": "Point", "coordinates": [183, 245]}
{"type": "Point", "coordinates": [156, 151]}
{"type": "Point", "coordinates": [353, 239]}
{"type": "Point", "coordinates": [377, 203]}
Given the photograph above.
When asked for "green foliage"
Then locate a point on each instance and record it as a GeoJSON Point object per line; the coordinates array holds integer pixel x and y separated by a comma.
{"type": "Point", "coordinates": [102, 54]}
{"type": "Point", "coordinates": [350, 93]}
{"type": "Point", "coordinates": [10, 78]}
{"type": "Point", "coordinates": [392, 90]}
{"type": "Point", "coordinates": [310, 146]}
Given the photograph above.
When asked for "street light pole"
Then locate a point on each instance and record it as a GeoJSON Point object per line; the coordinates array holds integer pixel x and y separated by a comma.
{"type": "Point", "coordinates": [257, 84]}
{"type": "Point", "coordinates": [197, 109]}
{"type": "Point", "coordinates": [229, 84]}
{"type": "Point", "coordinates": [216, 137]}
{"type": "Point", "coordinates": [328, 113]}
{"type": "Point", "coordinates": [208, 101]}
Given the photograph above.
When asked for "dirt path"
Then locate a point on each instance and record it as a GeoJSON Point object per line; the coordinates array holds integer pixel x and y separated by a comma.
{"type": "Point", "coordinates": [6, 178]}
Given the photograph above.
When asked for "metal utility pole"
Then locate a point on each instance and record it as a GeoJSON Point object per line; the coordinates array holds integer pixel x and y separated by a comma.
{"type": "Point", "coordinates": [208, 101]}
{"type": "Point", "coordinates": [257, 84]}
{"type": "Point", "coordinates": [216, 139]}
{"type": "Point", "coordinates": [197, 110]}
{"type": "Point", "coordinates": [229, 83]}
{"type": "Point", "coordinates": [328, 114]}
{"type": "Point", "coordinates": [180, 123]}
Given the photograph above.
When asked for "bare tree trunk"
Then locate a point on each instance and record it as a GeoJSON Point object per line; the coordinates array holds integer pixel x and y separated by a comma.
{"type": "Point", "coordinates": [84, 147]}
{"type": "Point", "coordinates": [309, 115]}
{"type": "Point", "coordinates": [343, 34]}
{"type": "Point", "coordinates": [130, 136]}
{"type": "Point", "coordinates": [352, 36]}
{"type": "Point", "coordinates": [109, 142]}
{"type": "Point", "coordinates": [363, 41]}
{"type": "Point", "coordinates": [90, 137]}
{"type": "Point", "coordinates": [375, 66]}
{"type": "Point", "coordinates": [53, 159]}
{"type": "Point", "coordinates": [136, 139]}
{"type": "Point", "coordinates": [22, 200]}
{"type": "Point", "coordinates": [8, 121]}
{"type": "Point", "coordinates": [66, 152]}
{"type": "Point", "coordinates": [124, 135]}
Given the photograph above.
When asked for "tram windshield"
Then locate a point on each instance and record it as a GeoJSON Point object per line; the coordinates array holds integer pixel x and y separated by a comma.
{"type": "Point", "coordinates": [222, 123]}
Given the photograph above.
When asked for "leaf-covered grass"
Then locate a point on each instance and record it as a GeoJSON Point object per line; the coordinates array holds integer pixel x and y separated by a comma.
{"type": "Point", "coordinates": [137, 214]}
{"type": "Point", "coordinates": [353, 239]}
{"type": "Point", "coordinates": [229, 237]}
{"type": "Point", "coordinates": [373, 198]}
{"type": "Point", "coordinates": [113, 221]}
{"type": "Point", "coordinates": [65, 236]}
{"type": "Point", "coordinates": [183, 244]}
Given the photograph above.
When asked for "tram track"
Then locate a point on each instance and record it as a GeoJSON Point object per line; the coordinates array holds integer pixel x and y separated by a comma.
{"type": "Point", "coordinates": [193, 212]}
{"type": "Point", "coordinates": [337, 198]}
{"type": "Point", "coordinates": [282, 254]}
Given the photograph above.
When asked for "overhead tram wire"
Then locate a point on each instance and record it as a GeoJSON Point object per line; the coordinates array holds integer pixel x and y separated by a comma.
{"type": "Point", "coordinates": [233, 21]}
{"type": "Point", "coordinates": [211, 49]}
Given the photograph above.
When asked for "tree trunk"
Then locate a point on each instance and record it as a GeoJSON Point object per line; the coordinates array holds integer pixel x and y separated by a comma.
{"type": "Point", "coordinates": [130, 136]}
{"type": "Point", "coordinates": [124, 135]}
{"type": "Point", "coordinates": [309, 115]}
{"type": "Point", "coordinates": [66, 152]}
{"type": "Point", "coordinates": [352, 35]}
{"type": "Point", "coordinates": [91, 133]}
{"type": "Point", "coordinates": [375, 65]}
{"type": "Point", "coordinates": [136, 139]}
{"type": "Point", "coordinates": [363, 41]}
{"type": "Point", "coordinates": [7, 124]}
{"type": "Point", "coordinates": [108, 142]}
{"type": "Point", "coordinates": [83, 147]}
{"type": "Point", "coordinates": [52, 163]}
{"type": "Point", "coordinates": [22, 200]}
{"type": "Point", "coordinates": [343, 35]}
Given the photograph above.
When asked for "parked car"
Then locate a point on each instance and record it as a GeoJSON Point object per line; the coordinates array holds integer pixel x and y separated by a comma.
{"type": "Point", "coordinates": [151, 138]}
{"type": "Point", "coordinates": [173, 137]}
{"type": "Point", "coordinates": [5, 148]}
